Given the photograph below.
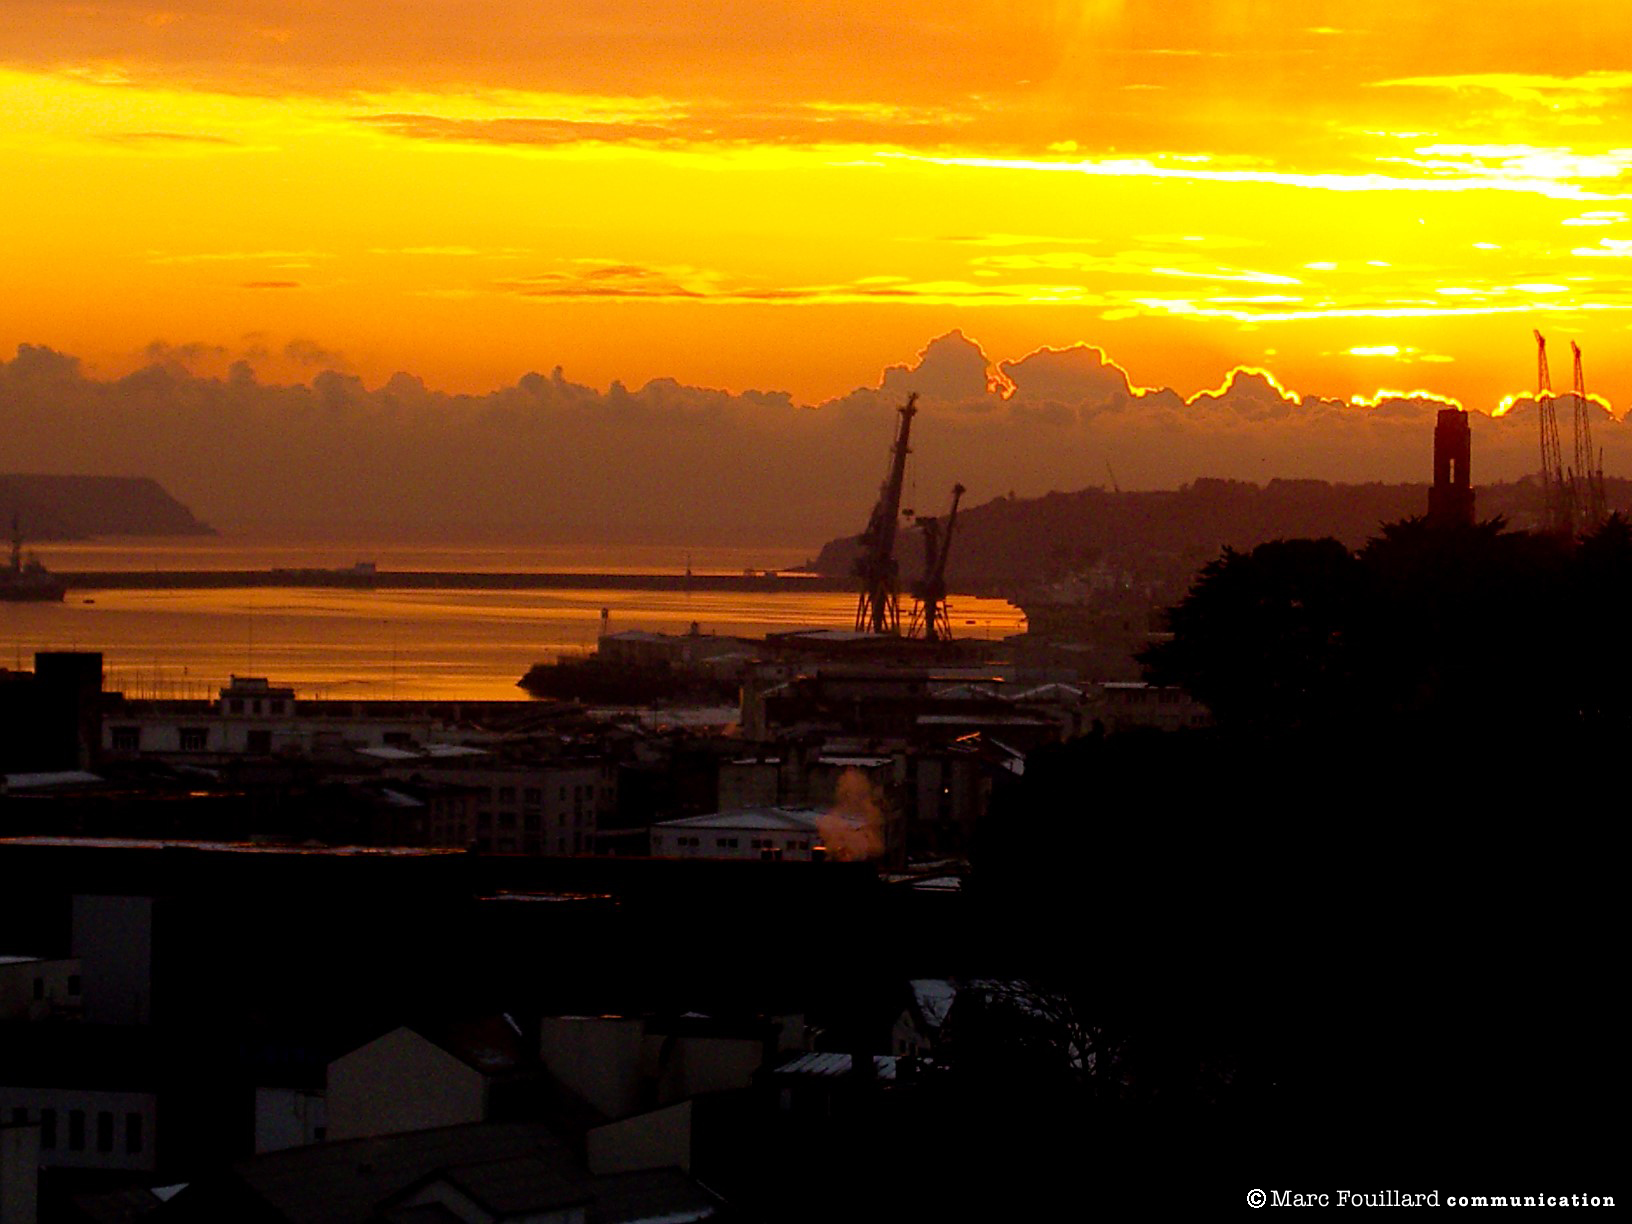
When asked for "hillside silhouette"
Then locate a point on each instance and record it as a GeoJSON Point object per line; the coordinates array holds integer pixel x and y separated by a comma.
{"type": "Point", "coordinates": [1013, 541]}
{"type": "Point", "coordinates": [73, 507]}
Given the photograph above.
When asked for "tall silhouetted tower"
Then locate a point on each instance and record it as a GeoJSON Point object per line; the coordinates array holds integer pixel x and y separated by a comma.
{"type": "Point", "coordinates": [1450, 501]}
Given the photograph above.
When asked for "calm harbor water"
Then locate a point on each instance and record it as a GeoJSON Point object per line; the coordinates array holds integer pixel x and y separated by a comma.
{"type": "Point", "coordinates": [398, 643]}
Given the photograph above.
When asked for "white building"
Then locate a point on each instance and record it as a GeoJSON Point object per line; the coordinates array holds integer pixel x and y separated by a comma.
{"type": "Point", "coordinates": [623, 1065]}
{"type": "Point", "coordinates": [40, 988]}
{"type": "Point", "coordinates": [748, 833]}
{"type": "Point", "coordinates": [289, 1118]}
{"type": "Point", "coordinates": [253, 717]}
{"type": "Point", "coordinates": [83, 1127]}
{"type": "Point", "coordinates": [552, 807]}
{"type": "Point", "coordinates": [404, 1081]}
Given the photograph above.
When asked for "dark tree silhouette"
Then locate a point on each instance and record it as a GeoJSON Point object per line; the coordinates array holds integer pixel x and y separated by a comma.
{"type": "Point", "coordinates": [1602, 597]}
{"type": "Point", "coordinates": [1460, 625]}
{"type": "Point", "coordinates": [1428, 629]}
{"type": "Point", "coordinates": [1338, 913]}
{"type": "Point", "coordinates": [1260, 637]}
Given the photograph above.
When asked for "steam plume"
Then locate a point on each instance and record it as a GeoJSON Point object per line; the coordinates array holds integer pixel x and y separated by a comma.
{"type": "Point", "coordinates": [853, 829]}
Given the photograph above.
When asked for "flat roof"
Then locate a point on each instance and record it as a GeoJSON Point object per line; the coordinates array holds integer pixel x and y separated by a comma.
{"type": "Point", "coordinates": [60, 777]}
{"type": "Point", "coordinates": [834, 1065]}
{"type": "Point", "coordinates": [764, 820]}
{"type": "Point", "coordinates": [983, 720]}
{"type": "Point", "coordinates": [431, 752]}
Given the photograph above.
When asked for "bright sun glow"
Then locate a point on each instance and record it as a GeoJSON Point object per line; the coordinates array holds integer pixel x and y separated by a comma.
{"type": "Point", "coordinates": [495, 189]}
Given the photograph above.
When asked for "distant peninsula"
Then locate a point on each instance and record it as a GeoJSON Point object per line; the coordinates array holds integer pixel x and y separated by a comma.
{"type": "Point", "coordinates": [1012, 542]}
{"type": "Point", "coordinates": [77, 507]}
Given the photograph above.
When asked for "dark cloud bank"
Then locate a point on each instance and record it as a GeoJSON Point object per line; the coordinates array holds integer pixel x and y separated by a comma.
{"type": "Point", "coordinates": [674, 463]}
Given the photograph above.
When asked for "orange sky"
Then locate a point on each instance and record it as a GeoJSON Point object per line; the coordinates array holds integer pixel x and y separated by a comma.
{"type": "Point", "coordinates": [744, 193]}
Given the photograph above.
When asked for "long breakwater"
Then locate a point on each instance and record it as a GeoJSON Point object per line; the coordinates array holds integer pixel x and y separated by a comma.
{"type": "Point", "coordinates": [447, 580]}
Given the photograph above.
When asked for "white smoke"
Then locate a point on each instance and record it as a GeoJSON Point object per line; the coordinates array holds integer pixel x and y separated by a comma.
{"type": "Point", "coordinates": [853, 829]}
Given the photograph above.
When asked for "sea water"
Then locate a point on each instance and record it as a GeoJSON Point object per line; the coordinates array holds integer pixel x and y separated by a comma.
{"type": "Point", "coordinates": [385, 643]}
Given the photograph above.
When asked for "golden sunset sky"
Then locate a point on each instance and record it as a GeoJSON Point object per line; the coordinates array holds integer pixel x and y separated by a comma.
{"type": "Point", "coordinates": [793, 195]}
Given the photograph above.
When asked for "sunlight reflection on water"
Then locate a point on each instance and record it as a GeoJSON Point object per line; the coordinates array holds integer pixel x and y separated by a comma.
{"type": "Point", "coordinates": [385, 643]}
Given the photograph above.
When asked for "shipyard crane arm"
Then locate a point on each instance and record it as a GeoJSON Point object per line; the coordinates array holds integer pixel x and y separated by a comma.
{"type": "Point", "coordinates": [931, 612]}
{"type": "Point", "coordinates": [1557, 516]}
{"type": "Point", "coordinates": [1591, 504]}
{"type": "Point", "coordinates": [878, 608]}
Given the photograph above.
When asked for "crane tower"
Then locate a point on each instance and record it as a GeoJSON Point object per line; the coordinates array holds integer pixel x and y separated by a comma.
{"type": "Point", "coordinates": [878, 609]}
{"type": "Point", "coordinates": [1591, 505]}
{"type": "Point", "coordinates": [930, 614]}
{"type": "Point", "coordinates": [1556, 511]}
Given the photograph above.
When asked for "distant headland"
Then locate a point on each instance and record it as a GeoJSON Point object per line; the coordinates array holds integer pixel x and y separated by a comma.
{"type": "Point", "coordinates": [76, 507]}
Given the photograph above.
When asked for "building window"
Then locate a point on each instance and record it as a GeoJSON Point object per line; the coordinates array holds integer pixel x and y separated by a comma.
{"type": "Point", "coordinates": [19, 1115]}
{"type": "Point", "coordinates": [104, 1131]}
{"type": "Point", "coordinates": [320, 1133]}
{"type": "Point", "coordinates": [255, 706]}
{"type": "Point", "coordinates": [39, 989]}
{"type": "Point", "coordinates": [48, 1128]}
{"type": "Point", "coordinates": [533, 795]}
{"type": "Point", "coordinates": [76, 1130]}
{"type": "Point", "coordinates": [133, 1133]}
{"type": "Point", "coordinates": [275, 707]}
{"type": "Point", "coordinates": [193, 739]}
{"type": "Point", "coordinates": [127, 739]}
{"type": "Point", "coordinates": [725, 843]}
{"type": "Point", "coordinates": [259, 742]}
{"type": "Point", "coordinates": [236, 705]}
{"type": "Point", "coordinates": [507, 794]}
{"type": "Point", "coordinates": [73, 984]}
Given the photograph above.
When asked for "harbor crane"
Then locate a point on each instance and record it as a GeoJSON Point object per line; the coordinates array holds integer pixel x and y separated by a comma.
{"type": "Point", "coordinates": [1591, 504]}
{"type": "Point", "coordinates": [929, 614]}
{"type": "Point", "coordinates": [878, 609]}
{"type": "Point", "coordinates": [1556, 511]}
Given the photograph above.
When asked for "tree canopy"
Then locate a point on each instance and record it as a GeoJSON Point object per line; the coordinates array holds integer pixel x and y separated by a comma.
{"type": "Point", "coordinates": [1426, 627]}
